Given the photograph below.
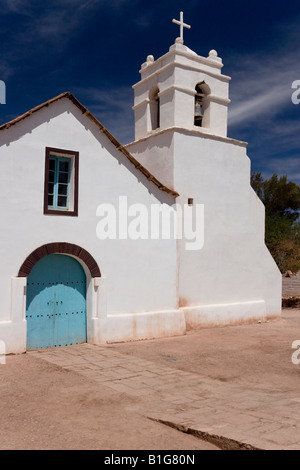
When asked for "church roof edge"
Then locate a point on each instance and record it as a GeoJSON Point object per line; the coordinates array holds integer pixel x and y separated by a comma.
{"type": "Point", "coordinates": [114, 141]}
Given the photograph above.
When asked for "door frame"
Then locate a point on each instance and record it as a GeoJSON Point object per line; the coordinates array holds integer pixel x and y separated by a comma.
{"type": "Point", "coordinates": [57, 272]}
{"type": "Point", "coordinates": [96, 304]}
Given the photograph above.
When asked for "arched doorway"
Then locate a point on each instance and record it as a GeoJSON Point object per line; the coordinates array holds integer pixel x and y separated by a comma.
{"type": "Point", "coordinates": [63, 248]}
{"type": "Point", "coordinates": [56, 302]}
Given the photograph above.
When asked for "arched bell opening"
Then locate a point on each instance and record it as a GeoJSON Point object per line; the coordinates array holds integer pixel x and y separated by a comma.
{"type": "Point", "coordinates": [154, 108]}
{"type": "Point", "coordinates": [201, 112]}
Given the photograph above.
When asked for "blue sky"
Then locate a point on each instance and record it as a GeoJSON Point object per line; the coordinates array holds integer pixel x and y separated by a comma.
{"type": "Point", "coordinates": [94, 48]}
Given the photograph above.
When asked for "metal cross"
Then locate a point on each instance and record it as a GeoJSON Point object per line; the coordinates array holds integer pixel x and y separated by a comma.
{"type": "Point", "coordinates": [182, 25]}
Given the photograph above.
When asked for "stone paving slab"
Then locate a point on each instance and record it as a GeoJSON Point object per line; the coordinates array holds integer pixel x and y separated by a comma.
{"type": "Point", "coordinates": [220, 412]}
{"type": "Point", "coordinates": [291, 285]}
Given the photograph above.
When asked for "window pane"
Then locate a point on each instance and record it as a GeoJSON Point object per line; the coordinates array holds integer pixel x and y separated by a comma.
{"type": "Point", "coordinates": [51, 188]}
{"type": "Point", "coordinates": [52, 164]}
{"type": "Point", "coordinates": [62, 201]}
{"type": "Point", "coordinates": [64, 166]}
{"type": "Point", "coordinates": [63, 178]}
{"type": "Point", "coordinates": [62, 189]}
{"type": "Point", "coordinates": [51, 176]}
{"type": "Point", "coordinates": [59, 176]}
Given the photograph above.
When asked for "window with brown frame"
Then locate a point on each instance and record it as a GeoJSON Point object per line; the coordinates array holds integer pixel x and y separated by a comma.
{"type": "Point", "coordinates": [61, 182]}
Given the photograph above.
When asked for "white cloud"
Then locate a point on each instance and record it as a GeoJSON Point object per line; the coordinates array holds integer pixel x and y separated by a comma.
{"type": "Point", "coordinates": [5, 71]}
{"type": "Point", "coordinates": [261, 83]}
{"type": "Point", "coordinates": [261, 110]}
{"type": "Point", "coordinates": [16, 6]}
{"type": "Point", "coordinates": [261, 89]}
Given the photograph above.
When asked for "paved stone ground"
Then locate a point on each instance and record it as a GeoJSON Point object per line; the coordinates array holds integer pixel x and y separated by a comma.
{"type": "Point", "coordinates": [46, 407]}
{"type": "Point", "coordinates": [291, 285]}
{"type": "Point", "coordinates": [235, 387]}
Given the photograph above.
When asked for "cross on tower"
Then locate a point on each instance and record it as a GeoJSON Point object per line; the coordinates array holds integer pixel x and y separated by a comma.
{"type": "Point", "coordinates": [182, 25]}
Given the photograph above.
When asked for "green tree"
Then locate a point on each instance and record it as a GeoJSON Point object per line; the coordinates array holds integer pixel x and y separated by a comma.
{"type": "Point", "coordinates": [282, 204]}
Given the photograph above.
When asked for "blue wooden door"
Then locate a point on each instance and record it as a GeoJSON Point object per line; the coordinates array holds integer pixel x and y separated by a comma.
{"type": "Point", "coordinates": [56, 303]}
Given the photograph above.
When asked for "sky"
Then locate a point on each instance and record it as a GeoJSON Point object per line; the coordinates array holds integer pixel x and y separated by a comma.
{"type": "Point", "coordinates": [95, 48]}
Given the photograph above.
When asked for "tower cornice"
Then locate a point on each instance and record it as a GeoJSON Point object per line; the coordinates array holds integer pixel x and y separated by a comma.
{"type": "Point", "coordinates": [198, 132]}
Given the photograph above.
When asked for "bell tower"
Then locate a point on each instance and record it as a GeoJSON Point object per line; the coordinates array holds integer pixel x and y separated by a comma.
{"type": "Point", "coordinates": [180, 106]}
{"type": "Point", "coordinates": [183, 90]}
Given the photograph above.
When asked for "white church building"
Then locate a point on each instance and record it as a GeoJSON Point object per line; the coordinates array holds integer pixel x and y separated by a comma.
{"type": "Point", "coordinates": [103, 243]}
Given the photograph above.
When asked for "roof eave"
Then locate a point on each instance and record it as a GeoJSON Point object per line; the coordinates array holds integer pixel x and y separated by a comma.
{"type": "Point", "coordinates": [114, 141]}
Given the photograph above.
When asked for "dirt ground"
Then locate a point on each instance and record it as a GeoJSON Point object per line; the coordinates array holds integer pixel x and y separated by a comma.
{"type": "Point", "coordinates": [44, 406]}
{"type": "Point", "coordinates": [247, 354]}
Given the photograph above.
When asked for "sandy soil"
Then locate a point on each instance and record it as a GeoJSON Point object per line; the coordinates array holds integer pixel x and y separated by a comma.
{"type": "Point", "coordinates": [259, 353]}
{"type": "Point", "coordinates": [46, 407]}
{"type": "Point", "coordinates": [43, 406]}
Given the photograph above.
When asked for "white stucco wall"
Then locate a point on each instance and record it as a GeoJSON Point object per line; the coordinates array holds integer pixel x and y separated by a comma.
{"type": "Point", "coordinates": [156, 154]}
{"type": "Point", "coordinates": [234, 265]}
{"type": "Point", "coordinates": [233, 278]}
{"type": "Point", "coordinates": [140, 275]}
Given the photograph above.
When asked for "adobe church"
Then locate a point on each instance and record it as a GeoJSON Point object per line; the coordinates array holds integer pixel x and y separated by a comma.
{"type": "Point", "coordinates": [62, 284]}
